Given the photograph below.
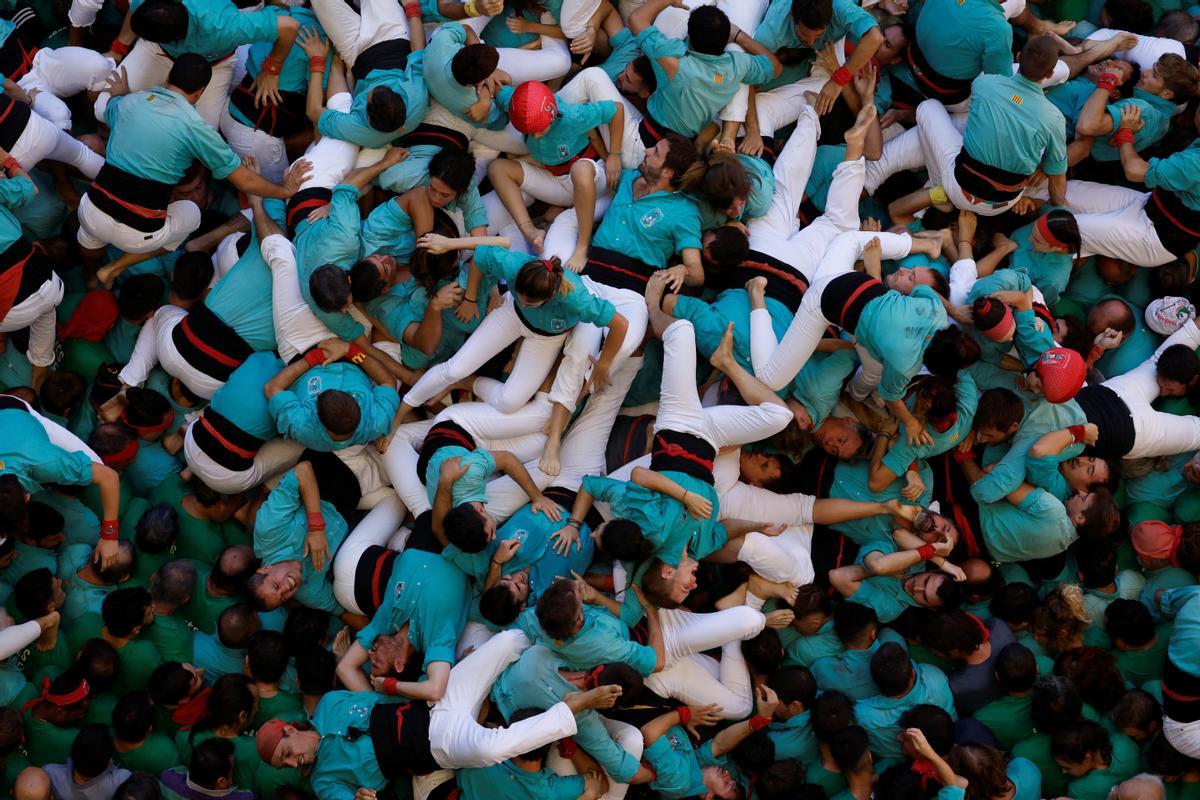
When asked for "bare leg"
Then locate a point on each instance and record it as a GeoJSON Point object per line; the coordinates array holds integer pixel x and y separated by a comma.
{"type": "Point", "coordinates": [550, 462]}
{"type": "Point", "coordinates": [583, 178]}
{"type": "Point", "coordinates": [109, 272]}
{"type": "Point", "coordinates": [506, 176]}
{"type": "Point", "coordinates": [753, 391]}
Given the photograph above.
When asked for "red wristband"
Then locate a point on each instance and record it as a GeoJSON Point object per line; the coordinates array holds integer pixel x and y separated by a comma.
{"type": "Point", "coordinates": [315, 357]}
{"type": "Point", "coordinates": [120, 48]}
{"type": "Point", "coordinates": [356, 354]}
{"type": "Point", "coordinates": [1078, 432]}
{"type": "Point", "coordinates": [1122, 136]}
{"type": "Point", "coordinates": [316, 64]}
{"type": "Point", "coordinates": [960, 455]}
{"type": "Point", "coordinates": [685, 714]}
{"type": "Point", "coordinates": [1109, 81]}
{"type": "Point", "coordinates": [11, 165]}
{"type": "Point", "coordinates": [315, 520]}
{"type": "Point", "coordinates": [567, 747]}
{"type": "Point", "coordinates": [271, 66]}
{"type": "Point", "coordinates": [412, 10]}
{"type": "Point", "coordinates": [926, 552]}
{"type": "Point", "coordinates": [758, 722]}
{"type": "Point", "coordinates": [110, 530]}
{"type": "Point", "coordinates": [841, 76]}
{"type": "Point", "coordinates": [391, 686]}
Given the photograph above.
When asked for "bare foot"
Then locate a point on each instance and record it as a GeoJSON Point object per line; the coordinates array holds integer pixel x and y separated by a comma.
{"type": "Point", "coordinates": [967, 222]}
{"type": "Point", "coordinates": [761, 587]}
{"type": "Point", "coordinates": [535, 236]}
{"type": "Point", "coordinates": [106, 275]}
{"type": "Point", "coordinates": [857, 133]}
{"type": "Point", "coordinates": [927, 242]}
{"type": "Point", "coordinates": [757, 289]}
{"type": "Point", "coordinates": [780, 619]}
{"type": "Point", "coordinates": [549, 462]}
{"type": "Point", "coordinates": [722, 358]}
{"type": "Point", "coordinates": [600, 697]}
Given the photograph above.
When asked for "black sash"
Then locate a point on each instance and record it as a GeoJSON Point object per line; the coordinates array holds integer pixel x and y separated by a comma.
{"type": "Point", "coordinates": [932, 83]}
{"type": "Point", "coordinates": [683, 452]}
{"type": "Point", "coordinates": [525, 321]}
{"type": "Point", "coordinates": [566, 498]}
{"type": "Point", "coordinates": [302, 203]}
{"type": "Point", "coordinates": [443, 434]}
{"type": "Point", "coordinates": [224, 442]}
{"type": "Point", "coordinates": [985, 182]}
{"type": "Point", "coordinates": [846, 296]}
{"type": "Point", "coordinates": [34, 269]}
{"type": "Point", "coordinates": [209, 345]}
{"type": "Point", "coordinates": [400, 735]}
{"type": "Point", "coordinates": [392, 54]}
{"type": "Point", "coordinates": [652, 131]}
{"type": "Point", "coordinates": [372, 575]}
{"type": "Point", "coordinates": [784, 284]}
{"type": "Point", "coordinates": [436, 136]}
{"type": "Point", "coordinates": [14, 116]}
{"type": "Point", "coordinates": [1177, 225]}
{"type": "Point", "coordinates": [137, 202]}
{"type": "Point", "coordinates": [1181, 693]}
{"type": "Point", "coordinates": [281, 120]}
{"type": "Point", "coordinates": [618, 270]}
{"type": "Point", "coordinates": [16, 55]}
{"type": "Point", "coordinates": [1107, 411]}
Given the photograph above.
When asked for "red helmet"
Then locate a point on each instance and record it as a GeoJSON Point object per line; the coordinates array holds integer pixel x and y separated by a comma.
{"type": "Point", "coordinates": [1062, 372]}
{"type": "Point", "coordinates": [533, 107]}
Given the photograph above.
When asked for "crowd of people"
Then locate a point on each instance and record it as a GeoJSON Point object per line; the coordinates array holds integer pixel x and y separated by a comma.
{"type": "Point", "coordinates": [538, 399]}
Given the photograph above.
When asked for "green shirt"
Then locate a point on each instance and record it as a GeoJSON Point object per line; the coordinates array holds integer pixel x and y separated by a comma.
{"type": "Point", "coordinates": [1179, 174]}
{"type": "Point", "coordinates": [561, 312]}
{"type": "Point", "coordinates": [603, 639]}
{"type": "Point", "coordinates": [1036, 528]}
{"type": "Point", "coordinates": [895, 329]}
{"type": "Point", "coordinates": [1126, 762]}
{"type": "Point", "coordinates": [1009, 718]}
{"type": "Point", "coordinates": [353, 126]}
{"type": "Point", "coordinates": [567, 136]}
{"type": "Point", "coordinates": [155, 754]}
{"type": "Point", "coordinates": [456, 98]}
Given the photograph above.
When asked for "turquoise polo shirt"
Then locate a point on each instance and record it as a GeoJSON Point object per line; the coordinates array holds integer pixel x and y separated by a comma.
{"type": "Point", "coordinates": [1179, 174]}
{"type": "Point", "coordinates": [818, 385]}
{"type": "Point", "coordinates": [331, 240]}
{"type": "Point", "coordinates": [805, 650]}
{"type": "Point", "coordinates": [430, 594]}
{"type": "Point", "coordinates": [294, 75]}
{"type": "Point", "coordinates": [709, 321]}
{"type": "Point", "coordinates": [346, 760]}
{"type": "Point", "coordinates": [624, 50]}
{"type": "Point", "coordinates": [677, 765]}
{"type": "Point", "coordinates": [471, 487]}
{"type": "Point", "coordinates": [27, 452]}
{"type": "Point", "coordinates": [567, 136]}
{"type": "Point", "coordinates": [439, 55]}
{"type": "Point", "coordinates": [895, 329]}
{"type": "Point", "coordinates": [507, 780]}
{"type": "Point", "coordinates": [1050, 272]}
{"type": "Point", "coordinates": [241, 399]}
{"type": "Point", "coordinates": [762, 191]}
{"type": "Point", "coordinates": [279, 533]}
{"type": "Point", "coordinates": [886, 595]}
{"type": "Point", "coordinates": [664, 521]}
{"type": "Point", "coordinates": [352, 126]}
{"type": "Point", "coordinates": [1070, 98]}
{"type": "Point", "coordinates": [778, 31]}
{"type": "Point", "coordinates": [795, 739]}
{"type": "Point", "coordinates": [217, 27]}
{"type": "Point", "coordinates": [1026, 779]}
{"type": "Point", "coordinates": [215, 658]}
{"type": "Point", "coordinates": [237, 299]}
{"type": "Point", "coordinates": [963, 39]}
{"type": "Point", "coordinates": [703, 84]}
{"type": "Point", "coordinates": [603, 639]}
{"type": "Point", "coordinates": [157, 134]}
{"type": "Point", "coordinates": [388, 229]}
{"type": "Point", "coordinates": [558, 314]}
{"type": "Point", "coordinates": [966, 396]}
{"type": "Point", "coordinates": [1036, 528]}
{"type": "Point", "coordinates": [852, 481]}
{"type": "Point", "coordinates": [1008, 471]}
{"type": "Point", "coordinates": [651, 228]}
{"type": "Point", "coordinates": [849, 671]}
{"type": "Point", "coordinates": [534, 681]}
{"type": "Point", "coordinates": [1032, 335]}
{"type": "Point", "coordinates": [14, 193]}
{"type": "Point", "coordinates": [295, 409]}
{"type": "Point", "coordinates": [1184, 649]}
{"type": "Point", "coordinates": [880, 715]}
{"type": "Point", "coordinates": [1012, 126]}
{"type": "Point", "coordinates": [1156, 121]}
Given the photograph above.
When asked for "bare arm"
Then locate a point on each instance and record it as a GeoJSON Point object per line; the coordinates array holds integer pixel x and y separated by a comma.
{"type": "Point", "coordinates": [349, 669]}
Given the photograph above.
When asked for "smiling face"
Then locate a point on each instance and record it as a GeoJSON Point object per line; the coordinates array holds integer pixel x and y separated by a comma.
{"type": "Point", "coordinates": [297, 749]}
{"type": "Point", "coordinates": [280, 583]}
{"type": "Point", "coordinates": [683, 579]}
{"type": "Point", "coordinates": [719, 782]}
{"type": "Point", "coordinates": [1151, 81]}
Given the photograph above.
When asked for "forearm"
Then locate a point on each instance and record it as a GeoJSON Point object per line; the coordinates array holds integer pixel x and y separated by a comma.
{"type": "Point", "coordinates": [695, 270]}
{"type": "Point", "coordinates": [472, 242]}
{"type": "Point", "coordinates": [286, 29]}
{"type": "Point", "coordinates": [1057, 188]}
{"type": "Point", "coordinates": [314, 100]}
{"type": "Point", "coordinates": [374, 364]}
{"type": "Point", "coordinates": [881, 564]}
{"type": "Point", "coordinates": [1093, 118]}
{"type": "Point", "coordinates": [656, 728]}
{"type": "Point", "coordinates": [1052, 444]}
{"type": "Point", "coordinates": [900, 411]}
{"type": "Point", "coordinates": [349, 669]}
{"type": "Point", "coordinates": [644, 17]}
{"type": "Point", "coordinates": [654, 638]}
{"type": "Point", "coordinates": [989, 263]}
{"type": "Point", "coordinates": [310, 493]}
{"type": "Point", "coordinates": [1134, 165]}
{"type": "Point", "coordinates": [427, 333]}
{"type": "Point", "coordinates": [725, 741]}
{"type": "Point", "coordinates": [617, 328]}
{"type": "Point", "coordinates": [286, 377]}
{"type": "Point", "coordinates": [109, 483]}
{"type": "Point", "coordinates": [513, 468]}
{"type": "Point", "coordinates": [864, 51]}
{"type": "Point", "coordinates": [209, 241]}
{"type": "Point", "coordinates": [255, 184]}
{"type": "Point", "coordinates": [656, 481]}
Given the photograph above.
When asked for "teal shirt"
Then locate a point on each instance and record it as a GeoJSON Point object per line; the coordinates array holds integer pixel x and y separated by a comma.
{"type": "Point", "coordinates": [902, 453]}
{"type": "Point", "coordinates": [14, 193]}
{"type": "Point", "coordinates": [558, 314]}
{"type": "Point", "coordinates": [1179, 174]}
{"type": "Point", "coordinates": [157, 134]}
{"type": "Point", "coordinates": [1009, 470]}
{"type": "Point", "coordinates": [1050, 272]}
{"type": "Point", "coordinates": [850, 670]}
{"type": "Point", "coordinates": [1184, 648]}
{"type": "Point", "coordinates": [1012, 126]}
{"type": "Point", "coordinates": [217, 27]}
{"type": "Point", "coordinates": [805, 650]}
{"type": "Point", "coordinates": [430, 594]}
{"type": "Point", "coordinates": [676, 764]}
{"type": "Point", "coordinates": [388, 229]}
{"type": "Point", "coordinates": [471, 487]}
{"type": "Point", "coordinates": [1026, 778]}
{"type": "Point", "coordinates": [331, 240]}
{"type": "Point", "coordinates": [507, 780]}
{"type": "Point", "coordinates": [1070, 98]}
{"type": "Point", "coordinates": [215, 658]}
{"type": "Point", "coordinates": [237, 299]}
{"type": "Point", "coordinates": [778, 31]}
{"type": "Point", "coordinates": [439, 54]}
{"type": "Point", "coordinates": [886, 595]}
{"type": "Point", "coordinates": [963, 39]}
{"type": "Point", "coordinates": [880, 715]}
{"type": "Point", "coordinates": [895, 329]}
{"type": "Point", "coordinates": [1136, 348]}
{"type": "Point", "coordinates": [27, 559]}
{"type": "Point", "coordinates": [27, 452]}
{"type": "Point", "coordinates": [241, 399]}
{"type": "Point", "coordinates": [1037, 528]}
{"type": "Point", "coordinates": [345, 760]}
{"type": "Point", "coordinates": [1125, 763]}
{"type": "Point", "coordinates": [294, 75]}
{"type": "Point", "coordinates": [702, 85]}
{"type": "Point", "coordinates": [603, 639]}
{"type": "Point", "coordinates": [353, 126]}
{"type": "Point", "coordinates": [567, 136]}
{"type": "Point", "coordinates": [709, 321]}
{"type": "Point", "coordinates": [651, 228]}
{"type": "Point", "coordinates": [795, 739]}
{"type": "Point", "coordinates": [818, 385]}
{"type": "Point", "coordinates": [852, 481]}
{"type": "Point", "coordinates": [665, 522]}
{"type": "Point", "coordinates": [762, 191]}
{"type": "Point", "coordinates": [1156, 121]}
{"type": "Point", "coordinates": [295, 409]}
{"type": "Point", "coordinates": [279, 533]}
{"type": "Point", "coordinates": [534, 681]}
{"type": "Point", "coordinates": [624, 50]}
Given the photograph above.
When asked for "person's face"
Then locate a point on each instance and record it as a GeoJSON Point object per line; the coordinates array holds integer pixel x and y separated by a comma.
{"type": "Point", "coordinates": [903, 280]}
{"type": "Point", "coordinates": [808, 36]}
{"type": "Point", "coordinates": [1073, 770]}
{"type": "Point", "coordinates": [386, 265]}
{"type": "Point", "coordinates": [736, 208]}
{"type": "Point", "coordinates": [718, 781]}
{"type": "Point", "coordinates": [758, 468]}
{"type": "Point", "coordinates": [683, 581]}
{"type": "Point", "coordinates": [517, 583]}
{"type": "Point", "coordinates": [52, 542]}
{"type": "Point", "coordinates": [295, 750]}
{"type": "Point", "coordinates": [1150, 81]}
{"type": "Point", "coordinates": [839, 438]}
{"type": "Point", "coordinates": [389, 654]}
{"type": "Point", "coordinates": [630, 83]}
{"type": "Point", "coordinates": [1078, 504]}
{"type": "Point", "coordinates": [197, 678]}
{"type": "Point", "coordinates": [652, 163]}
{"type": "Point", "coordinates": [924, 587]}
{"type": "Point", "coordinates": [1122, 69]}
{"type": "Point", "coordinates": [809, 624]}
{"type": "Point", "coordinates": [280, 583]}
{"type": "Point", "coordinates": [1170, 388]}
{"type": "Point", "coordinates": [1039, 243]}
{"type": "Point", "coordinates": [894, 42]}
{"type": "Point", "coordinates": [897, 8]}
{"type": "Point", "coordinates": [989, 436]}
{"type": "Point", "coordinates": [936, 528]}
{"type": "Point", "coordinates": [1084, 472]}
{"type": "Point", "coordinates": [440, 194]}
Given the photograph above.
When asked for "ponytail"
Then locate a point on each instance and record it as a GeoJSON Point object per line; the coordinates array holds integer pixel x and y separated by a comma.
{"type": "Point", "coordinates": [541, 279]}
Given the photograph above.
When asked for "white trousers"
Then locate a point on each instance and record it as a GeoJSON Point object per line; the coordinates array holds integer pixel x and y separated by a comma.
{"type": "Point", "coordinates": [379, 528]}
{"type": "Point", "coordinates": [97, 229]}
{"type": "Point", "coordinates": [42, 139]}
{"type": "Point", "coordinates": [64, 72]}
{"type": "Point", "coordinates": [16, 638]}
{"type": "Point", "coordinates": [1155, 432]}
{"type": "Point", "coordinates": [627, 737]}
{"type": "Point", "coordinates": [776, 363]}
{"type": "Point", "coordinates": [1147, 51]}
{"type": "Point", "coordinates": [941, 142]}
{"type": "Point", "coordinates": [273, 458]}
{"type": "Point", "coordinates": [246, 141]}
{"type": "Point", "coordinates": [1112, 222]}
{"type": "Point", "coordinates": [792, 169]}
{"type": "Point", "coordinates": [148, 66]}
{"type": "Point", "coordinates": [352, 33]}
{"type": "Point", "coordinates": [593, 85]}
{"type": "Point", "coordinates": [36, 312]}
{"type": "Point", "coordinates": [155, 346]}
{"type": "Point", "coordinates": [558, 190]}
{"type": "Point", "coordinates": [1183, 736]}
{"type": "Point", "coordinates": [745, 14]}
{"type": "Point", "coordinates": [297, 328]}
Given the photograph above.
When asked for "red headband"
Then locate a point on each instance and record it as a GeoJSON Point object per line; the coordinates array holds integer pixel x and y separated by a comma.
{"type": "Point", "coordinates": [1043, 226]}
{"type": "Point", "coordinates": [150, 430]}
{"type": "Point", "coordinates": [982, 628]}
{"type": "Point", "coordinates": [72, 697]}
{"type": "Point", "coordinates": [122, 456]}
{"type": "Point", "coordinates": [549, 264]}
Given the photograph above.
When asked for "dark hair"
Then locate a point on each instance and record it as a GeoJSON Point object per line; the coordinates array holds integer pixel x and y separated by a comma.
{"type": "Point", "coordinates": [499, 606]}
{"type": "Point", "coordinates": [812, 14]}
{"type": "Point", "coordinates": [140, 296]}
{"type": "Point", "coordinates": [190, 72]}
{"type": "Point", "coordinates": [725, 179]}
{"type": "Point", "coordinates": [899, 782]}
{"type": "Point", "coordinates": [44, 522]}
{"type": "Point", "coordinates": [1055, 703]}
{"type": "Point", "coordinates": [954, 632]}
{"type": "Point", "coordinates": [541, 279]}
{"type": "Point", "coordinates": [474, 63]}
{"type": "Point", "coordinates": [466, 528]}
{"type": "Point", "coordinates": [1015, 603]}
{"type": "Point", "coordinates": [162, 21]}
{"type": "Point", "coordinates": [1136, 709]}
{"type": "Point", "coordinates": [728, 248]}
{"type": "Point", "coordinates": [936, 723]}
{"type": "Point", "coordinates": [1065, 228]}
{"type": "Point", "coordinates": [266, 656]}
{"type": "Point", "coordinates": [386, 110]}
{"type": "Point", "coordinates": [338, 411]}
{"type": "Point", "coordinates": [783, 780]}
{"type": "Point", "coordinates": [753, 754]}
{"type": "Point", "coordinates": [623, 541]}
{"type": "Point", "coordinates": [558, 609]}
{"type": "Point", "coordinates": [106, 384]}
{"type": "Point", "coordinates": [656, 587]}
{"type": "Point", "coordinates": [330, 288]}
{"type": "Point", "coordinates": [811, 599]}
{"type": "Point", "coordinates": [428, 269]}
{"type": "Point", "coordinates": [145, 407]}
{"type": "Point", "coordinates": [1102, 517]}
{"type": "Point", "coordinates": [211, 761]}
{"type": "Point", "coordinates": [1170, 279]}
{"type": "Point", "coordinates": [124, 610]}
{"type": "Point", "coordinates": [169, 684]}
{"type": "Point", "coordinates": [984, 769]}
{"type": "Point", "coordinates": [236, 624]}
{"type": "Point", "coordinates": [1187, 552]}
{"type": "Point", "coordinates": [987, 313]}
{"type": "Point", "coordinates": [1129, 621]}
{"type": "Point", "coordinates": [1162, 759]}
{"type": "Point", "coordinates": [233, 581]}
{"type": "Point", "coordinates": [139, 786]}
{"type": "Point", "coordinates": [14, 506]}
{"type": "Point", "coordinates": [97, 660]}
{"type": "Point", "coordinates": [1178, 363]}
{"type": "Point", "coordinates": [763, 652]}
{"type": "Point", "coordinates": [453, 167]}
{"type": "Point", "coordinates": [683, 161]}
{"type": "Point", "coordinates": [304, 628]}
{"type": "Point", "coordinates": [1178, 75]}
{"type": "Point", "coordinates": [620, 674]}
{"type": "Point", "coordinates": [1095, 673]}
{"type": "Point", "coordinates": [33, 593]}
{"type": "Point", "coordinates": [62, 391]}
{"type": "Point", "coordinates": [708, 30]}
{"type": "Point", "coordinates": [847, 747]}
{"type": "Point", "coordinates": [12, 730]}
{"type": "Point", "coordinates": [950, 350]}
{"type": "Point", "coordinates": [157, 529]}
{"type": "Point", "coordinates": [232, 696]}
{"type": "Point", "coordinates": [1178, 25]}
{"type": "Point", "coordinates": [1077, 740]}
{"type": "Point", "coordinates": [645, 70]}
{"type": "Point", "coordinates": [1016, 668]}
{"type": "Point", "coordinates": [192, 274]}
{"type": "Point", "coordinates": [133, 716]}
{"type": "Point", "coordinates": [891, 669]}
{"type": "Point", "coordinates": [852, 621]}
{"type": "Point", "coordinates": [794, 684]}
{"type": "Point", "coordinates": [92, 750]}
{"type": "Point", "coordinates": [831, 712]}
{"type": "Point", "coordinates": [1097, 559]}
{"type": "Point", "coordinates": [316, 670]}
{"type": "Point", "coordinates": [1038, 57]}
{"type": "Point", "coordinates": [366, 283]}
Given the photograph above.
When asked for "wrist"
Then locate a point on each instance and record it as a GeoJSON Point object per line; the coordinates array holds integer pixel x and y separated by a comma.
{"type": "Point", "coordinates": [412, 10]}
{"type": "Point", "coordinates": [11, 165]}
{"type": "Point", "coordinates": [574, 523]}
{"type": "Point", "coordinates": [685, 714]}
{"type": "Point", "coordinates": [567, 747]}
{"type": "Point", "coordinates": [1108, 82]}
{"type": "Point", "coordinates": [356, 354]}
{"type": "Point", "coordinates": [316, 520]}
{"type": "Point", "coordinates": [1078, 432]}
{"type": "Point", "coordinates": [390, 686]}
{"type": "Point", "coordinates": [926, 552]}
{"type": "Point", "coordinates": [317, 64]}
{"type": "Point", "coordinates": [470, 299]}
{"type": "Point", "coordinates": [758, 722]}
{"type": "Point", "coordinates": [315, 357]}
{"type": "Point", "coordinates": [1122, 136]}
{"type": "Point", "coordinates": [841, 76]}
{"type": "Point", "coordinates": [110, 530]}
{"type": "Point", "coordinates": [120, 48]}
{"type": "Point", "coordinates": [272, 66]}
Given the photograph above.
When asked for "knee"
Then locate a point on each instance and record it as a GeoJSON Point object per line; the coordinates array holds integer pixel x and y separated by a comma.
{"type": "Point", "coordinates": [508, 402]}
{"type": "Point", "coordinates": [583, 171]}
{"type": "Point", "coordinates": [738, 708]}
{"type": "Point", "coordinates": [458, 368]}
{"type": "Point", "coordinates": [747, 621]}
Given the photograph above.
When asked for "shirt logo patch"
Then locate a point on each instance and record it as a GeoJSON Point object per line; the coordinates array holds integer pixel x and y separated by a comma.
{"type": "Point", "coordinates": [314, 385]}
{"type": "Point", "coordinates": [718, 77]}
{"type": "Point", "coordinates": [563, 151]}
{"type": "Point", "coordinates": [558, 324]}
{"type": "Point", "coordinates": [1016, 98]}
{"type": "Point", "coordinates": [651, 218]}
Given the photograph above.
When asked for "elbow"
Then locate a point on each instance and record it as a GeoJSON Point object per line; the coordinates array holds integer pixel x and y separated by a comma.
{"type": "Point", "coordinates": [879, 481]}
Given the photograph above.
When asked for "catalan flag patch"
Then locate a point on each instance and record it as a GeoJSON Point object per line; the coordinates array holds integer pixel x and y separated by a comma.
{"type": "Point", "coordinates": [1016, 98]}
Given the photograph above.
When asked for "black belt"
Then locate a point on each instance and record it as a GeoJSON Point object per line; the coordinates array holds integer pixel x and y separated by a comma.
{"type": "Point", "coordinates": [566, 498]}
{"type": "Point", "coordinates": [132, 200]}
{"type": "Point", "coordinates": [985, 182]}
{"type": "Point", "coordinates": [847, 296]}
{"type": "Point", "coordinates": [675, 451]}
{"type": "Point", "coordinates": [652, 131]}
{"type": "Point", "coordinates": [1105, 408]}
{"type": "Point", "coordinates": [525, 321]}
{"type": "Point", "coordinates": [30, 268]}
{"type": "Point", "coordinates": [436, 136]}
{"type": "Point", "coordinates": [224, 442]}
{"type": "Point", "coordinates": [281, 120]}
{"type": "Point", "coordinates": [209, 345]}
{"type": "Point", "coordinates": [784, 284]}
{"type": "Point", "coordinates": [1181, 693]}
{"type": "Point", "coordinates": [392, 54]}
{"type": "Point", "coordinates": [932, 83]}
{"type": "Point", "coordinates": [1177, 225]}
{"type": "Point", "coordinates": [443, 434]}
{"type": "Point", "coordinates": [304, 202]}
{"type": "Point", "coordinates": [618, 270]}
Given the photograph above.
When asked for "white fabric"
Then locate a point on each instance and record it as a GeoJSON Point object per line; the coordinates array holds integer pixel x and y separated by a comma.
{"type": "Point", "coordinates": [297, 327]}
{"type": "Point", "coordinates": [155, 345]}
{"type": "Point", "coordinates": [36, 312]}
{"type": "Point", "coordinates": [148, 66]}
{"type": "Point", "coordinates": [273, 458]}
{"type": "Point", "coordinates": [97, 229]}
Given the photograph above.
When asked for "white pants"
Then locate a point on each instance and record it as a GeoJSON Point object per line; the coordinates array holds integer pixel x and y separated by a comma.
{"type": "Point", "coordinates": [776, 363]}
{"type": "Point", "coordinates": [498, 330]}
{"type": "Point", "coordinates": [148, 66]}
{"type": "Point", "coordinates": [156, 346]}
{"type": "Point", "coordinates": [941, 142]}
{"type": "Point", "coordinates": [1157, 433]}
{"type": "Point", "coordinates": [36, 312]}
{"type": "Point", "coordinates": [97, 229]}
{"type": "Point", "coordinates": [558, 190]}
{"type": "Point", "coordinates": [246, 141]}
{"type": "Point", "coordinates": [1183, 736]}
{"type": "Point", "coordinates": [352, 33]}
{"type": "Point", "coordinates": [64, 72]}
{"type": "Point", "coordinates": [273, 458]}
{"type": "Point", "coordinates": [627, 737]}
{"type": "Point", "coordinates": [552, 61]}
{"type": "Point", "coordinates": [379, 528]}
{"type": "Point", "coordinates": [42, 139]}
{"type": "Point", "coordinates": [458, 741]}
{"type": "Point", "coordinates": [331, 158]}
{"type": "Point", "coordinates": [297, 328]}
{"type": "Point", "coordinates": [1112, 222]}
{"type": "Point", "coordinates": [593, 85]}
{"type": "Point", "coordinates": [792, 169]}
{"type": "Point", "coordinates": [782, 106]}
{"type": "Point", "coordinates": [679, 406]}
{"type": "Point", "coordinates": [583, 447]}
{"type": "Point", "coordinates": [1147, 51]}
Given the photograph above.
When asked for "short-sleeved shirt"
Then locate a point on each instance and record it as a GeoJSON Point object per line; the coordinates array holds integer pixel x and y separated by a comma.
{"type": "Point", "coordinates": [1125, 763]}
{"type": "Point", "coordinates": [602, 639]}
{"type": "Point", "coordinates": [778, 31]}
{"type": "Point", "coordinates": [665, 522]}
{"type": "Point", "coordinates": [1050, 272]}
{"type": "Point", "coordinates": [967, 400]}
{"type": "Point", "coordinates": [880, 715]}
{"type": "Point", "coordinates": [895, 329]}
{"type": "Point", "coordinates": [676, 766]}
{"type": "Point", "coordinates": [294, 75]}
{"type": "Point", "coordinates": [1156, 121]}
{"type": "Point", "coordinates": [507, 780]}
{"type": "Point", "coordinates": [157, 134]}
{"type": "Point", "coordinates": [702, 85]}
{"type": "Point", "coordinates": [241, 399]}
{"type": "Point", "coordinates": [237, 299]}
{"type": "Point", "coordinates": [331, 240]}
{"type": "Point", "coordinates": [1178, 173]}
{"type": "Point", "coordinates": [886, 595]}
{"type": "Point", "coordinates": [388, 229]}
{"type": "Point", "coordinates": [295, 409]}
{"type": "Point", "coordinates": [472, 486]}
{"type": "Point", "coordinates": [567, 136]}
{"type": "Point", "coordinates": [1038, 527]}
{"type": "Point", "coordinates": [14, 193]}
{"type": "Point", "coordinates": [353, 126]}
{"type": "Point", "coordinates": [1012, 126]}
{"type": "Point", "coordinates": [761, 177]}
{"type": "Point", "coordinates": [456, 98]}
{"type": "Point", "coordinates": [218, 27]}
{"type": "Point", "coordinates": [650, 228]}
{"type": "Point", "coordinates": [27, 452]}
{"type": "Point", "coordinates": [345, 762]}
{"type": "Point", "coordinates": [1009, 718]}
{"type": "Point", "coordinates": [963, 39]}
{"type": "Point", "coordinates": [562, 311]}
